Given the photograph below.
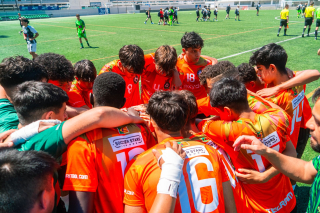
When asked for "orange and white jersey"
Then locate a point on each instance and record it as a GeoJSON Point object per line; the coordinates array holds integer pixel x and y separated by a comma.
{"type": "Point", "coordinates": [200, 189]}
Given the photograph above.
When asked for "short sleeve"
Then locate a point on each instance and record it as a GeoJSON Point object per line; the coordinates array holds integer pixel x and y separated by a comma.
{"type": "Point", "coordinates": [316, 162]}
{"type": "Point", "coordinates": [80, 173]}
{"type": "Point", "coordinates": [83, 23]}
{"type": "Point", "coordinates": [32, 29]}
{"type": "Point", "coordinates": [133, 192]}
{"type": "Point", "coordinates": [75, 99]}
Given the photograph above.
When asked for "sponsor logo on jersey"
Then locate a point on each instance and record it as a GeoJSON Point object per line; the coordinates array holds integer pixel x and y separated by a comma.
{"type": "Point", "coordinates": [123, 130]}
{"type": "Point", "coordinates": [167, 85]}
{"type": "Point", "coordinates": [283, 203]}
{"type": "Point", "coordinates": [135, 79]}
{"type": "Point", "coordinates": [126, 141]}
{"type": "Point", "coordinates": [128, 192]}
{"type": "Point", "coordinates": [297, 100]}
{"type": "Point", "coordinates": [76, 176]}
{"type": "Point", "coordinates": [194, 151]}
{"type": "Point", "coordinates": [271, 139]}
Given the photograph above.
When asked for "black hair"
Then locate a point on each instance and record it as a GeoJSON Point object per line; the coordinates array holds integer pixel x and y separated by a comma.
{"type": "Point", "coordinates": [169, 110]}
{"type": "Point", "coordinates": [24, 20]}
{"type": "Point", "coordinates": [231, 93]}
{"type": "Point", "coordinates": [132, 56]}
{"type": "Point", "coordinates": [23, 176]}
{"type": "Point", "coordinates": [192, 103]}
{"type": "Point", "coordinates": [246, 73]}
{"type": "Point", "coordinates": [85, 70]}
{"type": "Point", "coordinates": [109, 89]}
{"type": "Point", "coordinates": [192, 40]}
{"type": "Point", "coordinates": [270, 54]}
{"type": "Point", "coordinates": [316, 95]}
{"type": "Point", "coordinates": [16, 70]}
{"type": "Point", "coordinates": [32, 99]}
{"type": "Point", "coordinates": [212, 71]}
{"type": "Point", "coordinates": [58, 67]}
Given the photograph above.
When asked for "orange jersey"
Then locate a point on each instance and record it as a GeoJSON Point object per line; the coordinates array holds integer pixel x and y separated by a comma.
{"type": "Point", "coordinates": [238, 194]}
{"type": "Point", "coordinates": [307, 111]}
{"type": "Point", "coordinates": [96, 162]}
{"type": "Point", "coordinates": [189, 75]}
{"type": "Point", "coordinates": [78, 97]}
{"type": "Point", "coordinates": [132, 93]}
{"type": "Point", "coordinates": [151, 81]}
{"type": "Point", "coordinates": [292, 101]}
{"type": "Point", "coordinates": [200, 188]}
{"type": "Point", "coordinates": [256, 104]}
{"type": "Point", "coordinates": [273, 129]}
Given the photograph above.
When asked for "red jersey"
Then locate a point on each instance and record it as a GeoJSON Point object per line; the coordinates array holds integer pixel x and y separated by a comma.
{"type": "Point", "coordinates": [256, 104]}
{"type": "Point", "coordinates": [96, 162]}
{"type": "Point", "coordinates": [307, 111]}
{"type": "Point", "coordinates": [151, 81]}
{"type": "Point", "coordinates": [273, 129]}
{"type": "Point", "coordinates": [78, 97]}
{"type": "Point", "coordinates": [132, 93]}
{"type": "Point", "coordinates": [200, 188]}
{"type": "Point", "coordinates": [189, 75]}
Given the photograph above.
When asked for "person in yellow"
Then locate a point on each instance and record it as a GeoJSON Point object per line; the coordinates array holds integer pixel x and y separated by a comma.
{"type": "Point", "coordinates": [309, 15]}
{"type": "Point", "coordinates": [284, 15]}
{"type": "Point", "coordinates": [318, 23]}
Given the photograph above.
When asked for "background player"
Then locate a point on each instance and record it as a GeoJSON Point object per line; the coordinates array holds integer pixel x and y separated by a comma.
{"type": "Point", "coordinates": [304, 9]}
{"type": "Point", "coordinates": [309, 18]}
{"type": "Point", "coordinates": [176, 9]}
{"type": "Point", "coordinates": [29, 34]}
{"type": "Point", "coordinates": [228, 11]}
{"type": "Point", "coordinates": [81, 30]}
{"type": "Point", "coordinates": [216, 13]}
{"type": "Point", "coordinates": [258, 8]}
{"type": "Point", "coordinates": [317, 23]}
{"type": "Point", "coordinates": [299, 7]}
{"type": "Point", "coordinates": [148, 16]}
{"type": "Point", "coordinates": [198, 14]}
{"type": "Point", "coordinates": [160, 14]}
{"type": "Point", "coordinates": [284, 16]}
{"type": "Point", "coordinates": [237, 12]}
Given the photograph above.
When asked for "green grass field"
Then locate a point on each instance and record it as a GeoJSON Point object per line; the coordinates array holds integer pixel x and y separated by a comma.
{"type": "Point", "coordinates": [224, 38]}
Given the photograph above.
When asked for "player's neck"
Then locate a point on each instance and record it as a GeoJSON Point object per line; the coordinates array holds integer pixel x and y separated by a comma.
{"type": "Point", "coordinates": [247, 114]}
{"type": "Point", "coordinates": [187, 60]}
{"type": "Point", "coordinates": [280, 78]}
{"type": "Point", "coordinates": [162, 135]}
{"type": "Point", "coordinates": [189, 129]}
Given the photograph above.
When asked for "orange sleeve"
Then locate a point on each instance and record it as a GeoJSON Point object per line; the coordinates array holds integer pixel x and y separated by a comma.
{"type": "Point", "coordinates": [133, 192]}
{"type": "Point", "coordinates": [149, 65]}
{"type": "Point", "coordinates": [105, 68]}
{"type": "Point", "coordinates": [75, 99]}
{"type": "Point", "coordinates": [80, 173]}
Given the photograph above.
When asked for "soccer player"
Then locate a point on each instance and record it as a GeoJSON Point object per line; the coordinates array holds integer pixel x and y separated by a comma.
{"type": "Point", "coordinates": [228, 11]}
{"type": "Point", "coordinates": [271, 126]}
{"type": "Point", "coordinates": [216, 13]}
{"type": "Point", "coordinates": [198, 14]}
{"type": "Point", "coordinates": [166, 15]}
{"type": "Point", "coordinates": [237, 12]}
{"type": "Point", "coordinates": [81, 30]}
{"type": "Point", "coordinates": [160, 14]}
{"type": "Point", "coordinates": [130, 66]}
{"type": "Point", "coordinates": [284, 16]}
{"type": "Point", "coordinates": [29, 34]}
{"type": "Point", "coordinates": [304, 9]}
{"type": "Point", "coordinates": [249, 77]}
{"type": "Point", "coordinates": [19, 15]}
{"type": "Point", "coordinates": [102, 152]}
{"type": "Point", "coordinates": [208, 14]}
{"type": "Point", "coordinates": [176, 9]}
{"type": "Point", "coordinates": [15, 71]}
{"type": "Point", "coordinates": [296, 169]}
{"type": "Point", "coordinates": [317, 23]}
{"type": "Point", "coordinates": [299, 7]}
{"type": "Point", "coordinates": [203, 169]}
{"type": "Point", "coordinates": [192, 63]}
{"type": "Point", "coordinates": [79, 94]}
{"type": "Point", "coordinates": [27, 181]}
{"type": "Point", "coordinates": [204, 13]}
{"type": "Point", "coordinates": [309, 18]}
{"type": "Point", "coordinates": [171, 16]}
{"type": "Point", "coordinates": [148, 16]}
{"type": "Point", "coordinates": [160, 72]}
{"type": "Point", "coordinates": [258, 8]}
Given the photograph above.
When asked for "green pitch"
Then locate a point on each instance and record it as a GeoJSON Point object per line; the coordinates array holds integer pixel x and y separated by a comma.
{"type": "Point", "coordinates": [224, 38]}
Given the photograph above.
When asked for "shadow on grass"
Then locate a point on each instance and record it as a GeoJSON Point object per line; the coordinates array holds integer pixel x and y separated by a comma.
{"type": "Point", "coordinates": [92, 47]}
{"type": "Point", "coordinates": [302, 196]}
{"type": "Point", "coordinates": [4, 36]}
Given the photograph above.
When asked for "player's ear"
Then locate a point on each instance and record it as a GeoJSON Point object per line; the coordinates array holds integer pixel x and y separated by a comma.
{"type": "Point", "coordinates": [273, 67]}
{"type": "Point", "coordinates": [47, 115]}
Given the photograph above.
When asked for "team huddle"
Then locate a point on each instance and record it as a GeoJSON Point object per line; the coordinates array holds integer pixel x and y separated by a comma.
{"type": "Point", "coordinates": [159, 132]}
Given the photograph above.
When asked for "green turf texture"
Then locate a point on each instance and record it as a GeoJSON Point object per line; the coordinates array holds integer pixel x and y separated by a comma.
{"type": "Point", "coordinates": [108, 33]}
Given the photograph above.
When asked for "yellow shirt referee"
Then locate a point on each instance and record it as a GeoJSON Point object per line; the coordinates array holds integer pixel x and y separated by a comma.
{"type": "Point", "coordinates": [284, 16]}
{"type": "Point", "coordinates": [309, 15]}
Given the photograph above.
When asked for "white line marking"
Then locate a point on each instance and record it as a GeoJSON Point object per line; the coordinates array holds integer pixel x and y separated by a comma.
{"type": "Point", "coordinates": [230, 56]}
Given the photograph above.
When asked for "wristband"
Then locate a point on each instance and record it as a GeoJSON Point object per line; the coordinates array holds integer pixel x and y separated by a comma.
{"type": "Point", "coordinates": [29, 131]}
{"type": "Point", "coordinates": [168, 187]}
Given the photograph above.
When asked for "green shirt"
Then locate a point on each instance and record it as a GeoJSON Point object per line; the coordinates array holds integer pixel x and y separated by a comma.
{"type": "Point", "coordinates": [171, 10]}
{"type": "Point", "coordinates": [50, 141]}
{"type": "Point", "coordinates": [80, 25]}
{"type": "Point", "coordinates": [8, 116]}
{"type": "Point", "coordinates": [314, 197]}
{"type": "Point", "coordinates": [318, 13]}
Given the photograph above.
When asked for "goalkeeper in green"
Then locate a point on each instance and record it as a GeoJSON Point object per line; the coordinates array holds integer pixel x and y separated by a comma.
{"type": "Point", "coordinates": [81, 30]}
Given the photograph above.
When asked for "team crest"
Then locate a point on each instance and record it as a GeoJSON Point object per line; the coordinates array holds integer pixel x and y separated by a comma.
{"type": "Point", "coordinates": [259, 135]}
{"type": "Point", "coordinates": [167, 85]}
{"type": "Point", "coordinates": [199, 72]}
{"type": "Point", "coordinates": [123, 130]}
{"type": "Point", "coordinates": [135, 79]}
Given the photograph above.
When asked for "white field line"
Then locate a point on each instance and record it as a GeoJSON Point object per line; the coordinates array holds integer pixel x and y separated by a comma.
{"type": "Point", "coordinates": [279, 42]}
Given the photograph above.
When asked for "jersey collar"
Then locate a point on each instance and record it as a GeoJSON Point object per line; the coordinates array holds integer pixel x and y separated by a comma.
{"type": "Point", "coordinates": [171, 139]}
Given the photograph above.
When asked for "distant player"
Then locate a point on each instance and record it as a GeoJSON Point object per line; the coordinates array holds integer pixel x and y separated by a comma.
{"type": "Point", "coordinates": [30, 34]}
{"type": "Point", "coordinates": [208, 14]}
{"type": "Point", "coordinates": [228, 11]}
{"type": "Point", "coordinates": [237, 12]}
{"type": "Point", "coordinates": [20, 23]}
{"type": "Point", "coordinates": [171, 16]}
{"type": "Point", "coordinates": [198, 14]}
{"type": "Point", "coordinates": [160, 14]}
{"type": "Point", "coordinates": [216, 13]}
{"type": "Point", "coordinates": [299, 7]}
{"type": "Point", "coordinates": [309, 18]}
{"type": "Point", "coordinates": [81, 29]}
{"type": "Point", "coordinates": [176, 9]}
{"type": "Point", "coordinates": [204, 13]}
{"type": "Point", "coordinates": [258, 8]}
{"type": "Point", "coordinates": [166, 15]}
{"type": "Point", "coordinates": [304, 9]}
{"type": "Point", "coordinates": [148, 16]}
{"type": "Point", "coordinates": [317, 23]}
{"type": "Point", "coordinates": [284, 16]}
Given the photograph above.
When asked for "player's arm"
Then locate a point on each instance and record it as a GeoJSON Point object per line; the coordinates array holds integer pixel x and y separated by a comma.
{"type": "Point", "coordinates": [271, 104]}
{"type": "Point", "coordinates": [294, 168]}
{"type": "Point", "coordinates": [312, 16]}
{"type": "Point", "coordinates": [81, 201]}
{"type": "Point", "coordinates": [99, 117]}
{"type": "Point", "coordinates": [74, 111]}
{"type": "Point", "coordinates": [229, 202]}
{"type": "Point", "coordinates": [301, 78]}
{"type": "Point", "coordinates": [35, 32]}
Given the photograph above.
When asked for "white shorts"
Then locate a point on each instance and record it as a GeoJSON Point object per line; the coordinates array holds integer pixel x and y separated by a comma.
{"type": "Point", "coordinates": [32, 47]}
